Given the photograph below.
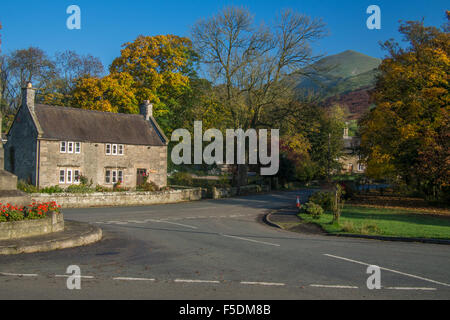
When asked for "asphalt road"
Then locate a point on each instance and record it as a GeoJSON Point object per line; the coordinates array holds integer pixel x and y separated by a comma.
{"type": "Point", "coordinates": [220, 249]}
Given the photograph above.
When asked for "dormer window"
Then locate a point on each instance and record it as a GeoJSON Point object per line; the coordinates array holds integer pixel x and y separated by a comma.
{"type": "Point", "coordinates": [70, 147]}
{"type": "Point", "coordinates": [63, 147]}
{"type": "Point", "coordinates": [108, 149]}
{"type": "Point", "coordinates": [121, 150]}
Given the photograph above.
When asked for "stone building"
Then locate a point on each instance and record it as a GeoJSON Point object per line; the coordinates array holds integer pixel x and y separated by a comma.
{"type": "Point", "coordinates": [53, 145]}
{"type": "Point", "coordinates": [350, 160]}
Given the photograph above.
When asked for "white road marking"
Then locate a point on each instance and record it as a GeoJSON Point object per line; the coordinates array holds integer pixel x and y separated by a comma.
{"type": "Point", "coordinates": [391, 270]}
{"type": "Point", "coordinates": [175, 223]}
{"type": "Point", "coordinates": [75, 276]}
{"type": "Point", "coordinates": [332, 286]}
{"type": "Point", "coordinates": [263, 283]}
{"type": "Point", "coordinates": [133, 279]}
{"type": "Point", "coordinates": [251, 240]}
{"type": "Point", "coordinates": [406, 288]}
{"type": "Point", "coordinates": [196, 281]}
{"type": "Point", "coordinates": [18, 274]}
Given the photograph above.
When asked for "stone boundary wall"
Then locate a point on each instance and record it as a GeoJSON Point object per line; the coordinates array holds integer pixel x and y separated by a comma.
{"type": "Point", "coordinates": [218, 193]}
{"type": "Point", "coordinates": [110, 199]}
{"type": "Point", "coordinates": [29, 228]}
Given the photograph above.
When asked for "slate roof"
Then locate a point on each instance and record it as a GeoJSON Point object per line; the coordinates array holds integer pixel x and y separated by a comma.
{"type": "Point", "coordinates": [73, 124]}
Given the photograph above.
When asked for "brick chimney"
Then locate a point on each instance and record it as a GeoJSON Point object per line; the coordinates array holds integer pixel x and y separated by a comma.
{"type": "Point", "coordinates": [28, 94]}
{"type": "Point", "coordinates": [146, 109]}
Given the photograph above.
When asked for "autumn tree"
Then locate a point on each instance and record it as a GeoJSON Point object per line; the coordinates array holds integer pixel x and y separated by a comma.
{"type": "Point", "coordinates": [159, 69]}
{"type": "Point", "coordinates": [113, 93]}
{"type": "Point", "coordinates": [406, 136]}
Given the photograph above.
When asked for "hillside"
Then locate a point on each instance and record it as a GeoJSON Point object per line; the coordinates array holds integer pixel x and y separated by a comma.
{"type": "Point", "coordinates": [336, 74]}
{"type": "Point", "coordinates": [343, 78]}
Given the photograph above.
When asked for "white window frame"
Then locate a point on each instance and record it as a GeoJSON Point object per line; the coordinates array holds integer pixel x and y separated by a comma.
{"type": "Point", "coordinates": [107, 177]}
{"type": "Point", "coordinates": [120, 176]}
{"type": "Point", "coordinates": [77, 146]}
{"type": "Point", "coordinates": [120, 149]}
{"type": "Point", "coordinates": [75, 173]}
{"type": "Point", "coordinates": [108, 145]}
{"type": "Point", "coordinates": [114, 176]}
{"type": "Point", "coordinates": [63, 176]}
{"type": "Point", "coordinates": [69, 176]}
{"type": "Point", "coordinates": [114, 150]}
{"type": "Point", "coordinates": [63, 147]}
{"type": "Point", "coordinates": [70, 146]}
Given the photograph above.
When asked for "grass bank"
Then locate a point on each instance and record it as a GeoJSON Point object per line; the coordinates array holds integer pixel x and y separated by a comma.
{"type": "Point", "coordinates": [384, 222]}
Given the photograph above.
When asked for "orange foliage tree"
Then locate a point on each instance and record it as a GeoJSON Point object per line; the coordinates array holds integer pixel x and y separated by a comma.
{"type": "Point", "coordinates": [406, 137]}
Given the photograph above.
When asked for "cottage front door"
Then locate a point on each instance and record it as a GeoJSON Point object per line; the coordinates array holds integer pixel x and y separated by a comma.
{"type": "Point", "coordinates": [140, 176]}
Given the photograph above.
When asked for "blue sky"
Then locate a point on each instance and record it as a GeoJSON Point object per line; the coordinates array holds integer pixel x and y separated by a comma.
{"type": "Point", "coordinates": [107, 24]}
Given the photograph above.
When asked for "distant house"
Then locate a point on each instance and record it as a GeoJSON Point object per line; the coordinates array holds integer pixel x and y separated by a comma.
{"type": "Point", "coordinates": [351, 161]}
{"type": "Point", "coordinates": [53, 145]}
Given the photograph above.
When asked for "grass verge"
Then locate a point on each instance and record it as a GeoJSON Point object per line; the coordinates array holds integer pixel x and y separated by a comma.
{"type": "Point", "coordinates": [384, 222]}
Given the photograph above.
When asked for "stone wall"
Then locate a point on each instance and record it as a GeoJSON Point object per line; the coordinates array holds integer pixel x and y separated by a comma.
{"type": "Point", "coordinates": [30, 228]}
{"type": "Point", "coordinates": [109, 199]}
{"type": "Point", "coordinates": [218, 193]}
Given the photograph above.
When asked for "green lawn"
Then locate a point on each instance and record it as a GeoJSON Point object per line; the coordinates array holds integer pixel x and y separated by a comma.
{"type": "Point", "coordinates": [384, 222]}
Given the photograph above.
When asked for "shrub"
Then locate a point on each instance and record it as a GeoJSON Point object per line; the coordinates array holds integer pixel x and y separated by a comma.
{"type": "Point", "coordinates": [99, 188]}
{"type": "Point", "coordinates": [79, 188]}
{"type": "Point", "coordinates": [148, 186]}
{"type": "Point", "coordinates": [52, 189]}
{"type": "Point", "coordinates": [323, 199]}
{"type": "Point", "coordinates": [181, 179]}
{"type": "Point", "coordinates": [314, 210]}
{"type": "Point", "coordinates": [26, 187]}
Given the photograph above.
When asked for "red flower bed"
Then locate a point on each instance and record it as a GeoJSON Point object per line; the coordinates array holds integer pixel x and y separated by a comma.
{"type": "Point", "coordinates": [9, 212]}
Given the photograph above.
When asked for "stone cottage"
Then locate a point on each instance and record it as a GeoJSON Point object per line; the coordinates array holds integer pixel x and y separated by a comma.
{"type": "Point", "coordinates": [53, 145]}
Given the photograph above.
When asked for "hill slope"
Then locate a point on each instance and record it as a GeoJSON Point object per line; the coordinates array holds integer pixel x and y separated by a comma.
{"type": "Point", "coordinates": [340, 73]}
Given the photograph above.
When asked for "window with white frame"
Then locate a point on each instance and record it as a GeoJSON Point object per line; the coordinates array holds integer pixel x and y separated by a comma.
{"type": "Point", "coordinates": [121, 149]}
{"type": "Point", "coordinates": [113, 176]}
{"type": "Point", "coordinates": [70, 147]}
{"type": "Point", "coordinates": [63, 147]}
{"type": "Point", "coordinates": [114, 149]}
{"type": "Point", "coordinates": [69, 176]}
{"type": "Point", "coordinates": [77, 147]}
{"type": "Point", "coordinates": [108, 149]}
{"type": "Point", "coordinates": [108, 176]}
{"type": "Point", "coordinates": [76, 176]}
{"type": "Point", "coordinates": [62, 176]}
